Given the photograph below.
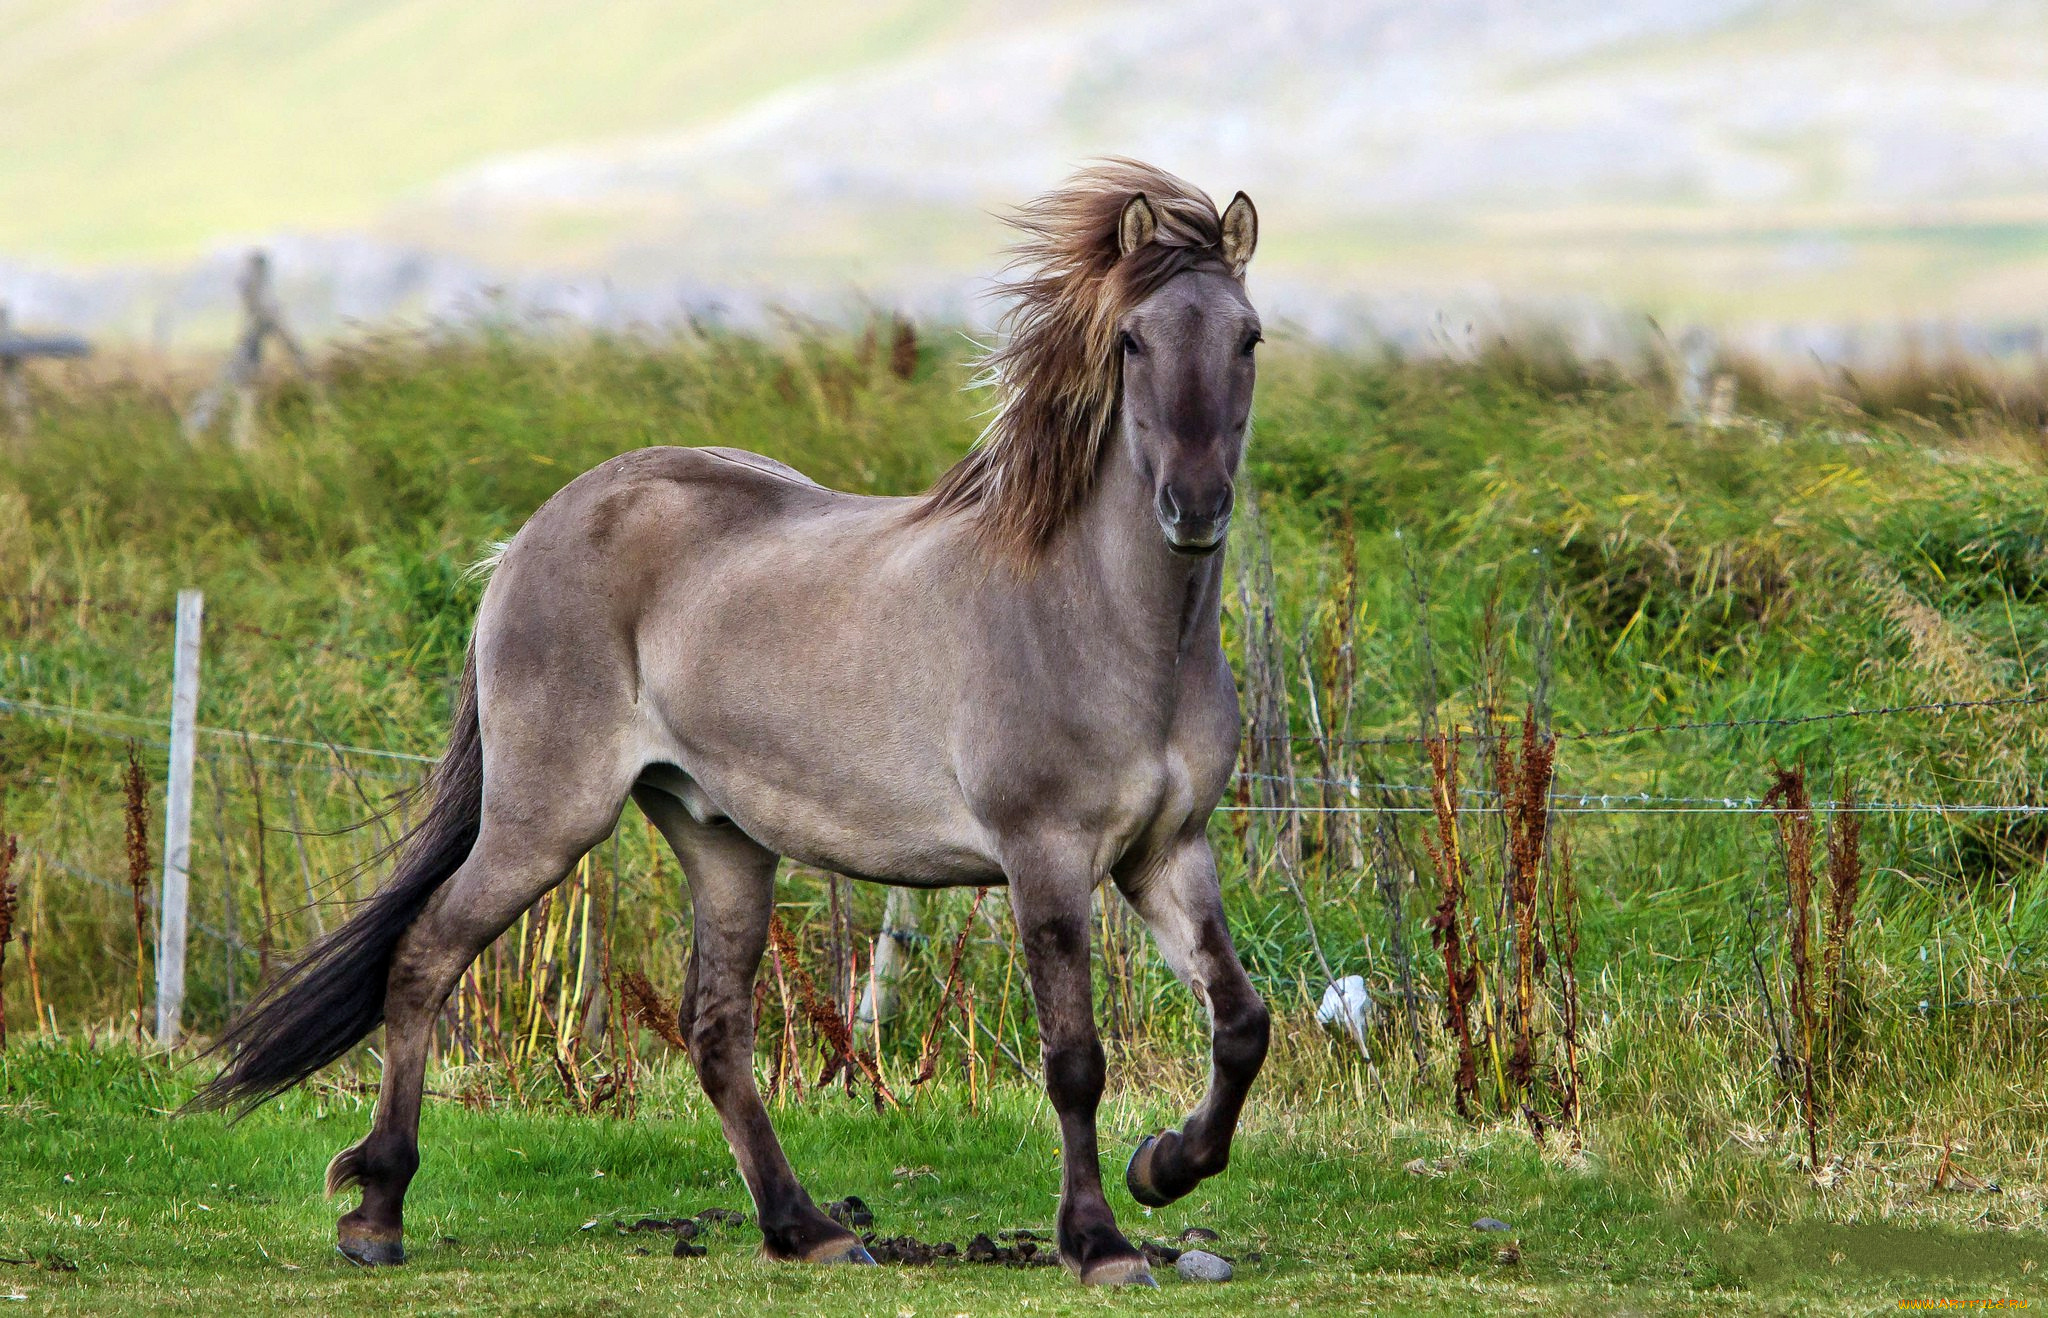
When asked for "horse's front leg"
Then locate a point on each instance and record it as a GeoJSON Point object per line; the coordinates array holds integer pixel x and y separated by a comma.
{"type": "Point", "coordinates": [1181, 902]}
{"type": "Point", "coordinates": [1049, 892]}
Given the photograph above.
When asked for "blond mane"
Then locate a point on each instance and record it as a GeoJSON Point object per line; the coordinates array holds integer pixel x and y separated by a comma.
{"type": "Point", "coordinates": [1057, 372]}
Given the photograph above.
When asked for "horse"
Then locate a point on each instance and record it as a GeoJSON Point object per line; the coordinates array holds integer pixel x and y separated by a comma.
{"type": "Point", "coordinates": [1015, 679]}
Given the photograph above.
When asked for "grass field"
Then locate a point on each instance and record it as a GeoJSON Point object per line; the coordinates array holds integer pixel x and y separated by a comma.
{"type": "Point", "coordinates": [518, 1212]}
{"type": "Point", "coordinates": [1516, 526]}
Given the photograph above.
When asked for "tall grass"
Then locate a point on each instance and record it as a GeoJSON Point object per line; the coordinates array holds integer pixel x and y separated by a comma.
{"type": "Point", "coordinates": [1498, 549]}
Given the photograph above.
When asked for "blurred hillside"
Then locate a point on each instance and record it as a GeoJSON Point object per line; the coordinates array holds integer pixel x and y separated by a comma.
{"type": "Point", "coordinates": [1777, 163]}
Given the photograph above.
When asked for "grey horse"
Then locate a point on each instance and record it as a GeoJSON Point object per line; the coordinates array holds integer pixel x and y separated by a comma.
{"type": "Point", "coordinates": [1016, 679]}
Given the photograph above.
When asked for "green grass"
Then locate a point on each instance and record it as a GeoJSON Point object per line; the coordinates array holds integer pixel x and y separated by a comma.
{"type": "Point", "coordinates": [191, 1215]}
{"type": "Point", "coordinates": [1823, 554]}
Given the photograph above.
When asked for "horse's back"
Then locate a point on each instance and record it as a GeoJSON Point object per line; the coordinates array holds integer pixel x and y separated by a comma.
{"type": "Point", "coordinates": [662, 508]}
{"type": "Point", "coordinates": [756, 462]}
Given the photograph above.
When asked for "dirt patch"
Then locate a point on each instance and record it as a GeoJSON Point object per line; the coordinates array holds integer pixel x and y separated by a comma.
{"type": "Point", "coordinates": [686, 1230]}
{"type": "Point", "coordinates": [910, 1251]}
{"type": "Point", "coordinates": [1020, 1247]}
{"type": "Point", "coordinates": [1023, 1253]}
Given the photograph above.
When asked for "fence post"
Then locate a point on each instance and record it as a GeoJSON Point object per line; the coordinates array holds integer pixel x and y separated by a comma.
{"type": "Point", "coordinates": [13, 389]}
{"type": "Point", "coordinates": [1696, 357]}
{"type": "Point", "coordinates": [885, 971]}
{"type": "Point", "coordinates": [171, 910]}
{"type": "Point", "coordinates": [262, 319]}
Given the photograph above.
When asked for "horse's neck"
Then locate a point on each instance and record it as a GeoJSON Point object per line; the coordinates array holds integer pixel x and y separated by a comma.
{"type": "Point", "coordinates": [1160, 603]}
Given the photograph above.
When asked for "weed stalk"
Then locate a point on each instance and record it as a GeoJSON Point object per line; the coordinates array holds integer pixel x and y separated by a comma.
{"type": "Point", "coordinates": [10, 892]}
{"type": "Point", "coordinates": [135, 790]}
{"type": "Point", "coordinates": [1794, 812]}
{"type": "Point", "coordinates": [1447, 925]}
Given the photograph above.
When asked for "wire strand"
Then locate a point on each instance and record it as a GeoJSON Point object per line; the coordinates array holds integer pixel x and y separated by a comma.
{"type": "Point", "coordinates": [1697, 725]}
{"type": "Point", "coordinates": [40, 709]}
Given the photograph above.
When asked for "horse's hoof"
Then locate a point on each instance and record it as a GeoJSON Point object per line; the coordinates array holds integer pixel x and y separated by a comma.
{"type": "Point", "coordinates": [371, 1251]}
{"type": "Point", "coordinates": [835, 1251]}
{"type": "Point", "coordinates": [1138, 1177]}
{"type": "Point", "coordinates": [1121, 1270]}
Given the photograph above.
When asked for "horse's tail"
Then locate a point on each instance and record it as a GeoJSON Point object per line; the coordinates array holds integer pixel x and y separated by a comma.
{"type": "Point", "coordinates": [334, 995]}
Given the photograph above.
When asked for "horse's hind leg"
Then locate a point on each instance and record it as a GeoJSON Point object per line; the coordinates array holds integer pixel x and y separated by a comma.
{"type": "Point", "coordinates": [514, 861]}
{"type": "Point", "coordinates": [1180, 901]}
{"type": "Point", "coordinates": [732, 888]}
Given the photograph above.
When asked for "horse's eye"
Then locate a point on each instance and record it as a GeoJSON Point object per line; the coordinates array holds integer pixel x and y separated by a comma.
{"type": "Point", "coordinates": [1129, 343]}
{"type": "Point", "coordinates": [1254, 341]}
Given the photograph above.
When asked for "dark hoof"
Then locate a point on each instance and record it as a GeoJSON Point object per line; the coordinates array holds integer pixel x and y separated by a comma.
{"type": "Point", "coordinates": [371, 1251]}
{"type": "Point", "coordinates": [1122, 1270]}
{"type": "Point", "coordinates": [1141, 1177]}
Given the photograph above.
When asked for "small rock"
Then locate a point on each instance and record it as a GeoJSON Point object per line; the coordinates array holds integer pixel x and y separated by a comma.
{"type": "Point", "coordinates": [1347, 1007]}
{"type": "Point", "coordinates": [1200, 1265]}
{"type": "Point", "coordinates": [1195, 1234]}
{"type": "Point", "coordinates": [1491, 1224]}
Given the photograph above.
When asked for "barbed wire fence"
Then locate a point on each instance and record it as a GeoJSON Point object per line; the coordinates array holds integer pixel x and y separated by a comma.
{"type": "Point", "coordinates": [349, 768]}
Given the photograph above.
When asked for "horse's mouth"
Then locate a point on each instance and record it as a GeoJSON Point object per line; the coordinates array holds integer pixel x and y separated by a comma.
{"type": "Point", "coordinates": [1199, 548]}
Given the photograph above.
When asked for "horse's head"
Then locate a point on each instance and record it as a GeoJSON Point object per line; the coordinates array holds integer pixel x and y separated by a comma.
{"type": "Point", "coordinates": [1188, 368]}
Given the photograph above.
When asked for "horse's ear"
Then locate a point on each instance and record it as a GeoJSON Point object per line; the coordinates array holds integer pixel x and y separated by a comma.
{"type": "Point", "coordinates": [1138, 225]}
{"type": "Point", "coordinates": [1240, 233]}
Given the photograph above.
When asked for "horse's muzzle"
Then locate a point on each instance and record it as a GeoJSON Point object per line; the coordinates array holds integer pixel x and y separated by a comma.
{"type": "Point", "coordinates": [1194, 531]}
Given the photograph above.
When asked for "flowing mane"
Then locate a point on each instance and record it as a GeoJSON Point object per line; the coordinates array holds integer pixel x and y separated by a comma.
{"type": "Point", "coordinates": [1057, 372]}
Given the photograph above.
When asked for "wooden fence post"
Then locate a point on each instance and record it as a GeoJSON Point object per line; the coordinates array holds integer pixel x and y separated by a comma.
{"type": "Point", "coordinates": [171, 909]}
{"type": "Point", "coordinates": [262, 320]}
